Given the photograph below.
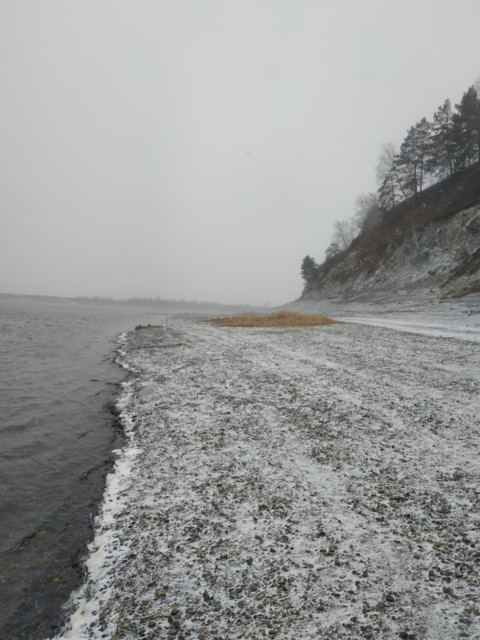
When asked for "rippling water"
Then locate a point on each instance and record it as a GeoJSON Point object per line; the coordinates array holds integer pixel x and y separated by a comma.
{"type": "Point", "coordinates": [57, 378]}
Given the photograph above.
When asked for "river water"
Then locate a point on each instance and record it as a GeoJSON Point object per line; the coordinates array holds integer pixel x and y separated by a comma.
{"type": "Point", "coordinates": [58, 380]}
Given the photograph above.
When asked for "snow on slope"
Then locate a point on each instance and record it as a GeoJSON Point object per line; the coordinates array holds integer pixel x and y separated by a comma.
{"type": "Point", "coordinates": [295, 483]}
{"type": "Point", "coordinates": [457, 319]}
{"type": "Point", "coordinates": [438, 258]}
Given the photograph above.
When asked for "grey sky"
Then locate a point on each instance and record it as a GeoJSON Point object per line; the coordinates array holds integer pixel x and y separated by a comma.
{"type": "Point", "coordinates": [200, 149]}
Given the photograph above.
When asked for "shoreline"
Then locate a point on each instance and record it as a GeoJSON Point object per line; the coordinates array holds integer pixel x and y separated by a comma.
{"type": "Point", "coordinates": [56, 555]}
{"type": "Point", "coordinates": [289, 484]}
{"type": "Point", "coordinates": [79, 610]}
{"type": "Point", "coordinates": [86, 555]}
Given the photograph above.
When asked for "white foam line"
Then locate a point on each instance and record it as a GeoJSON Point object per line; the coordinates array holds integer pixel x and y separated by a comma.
{"type": "Point", "coordinates": [108, 547]}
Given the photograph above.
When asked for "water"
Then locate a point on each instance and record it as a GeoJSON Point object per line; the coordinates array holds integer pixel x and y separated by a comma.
{"type": "Point", "coordinates": [57, 379]}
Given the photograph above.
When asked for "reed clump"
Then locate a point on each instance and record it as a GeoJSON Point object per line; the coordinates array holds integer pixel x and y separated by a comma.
{"type": "Point", "coordinates": [280, 319]}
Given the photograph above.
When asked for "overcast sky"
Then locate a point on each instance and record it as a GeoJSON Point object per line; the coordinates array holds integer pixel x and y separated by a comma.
{"type": "Point", "coordinates": [199, 149]}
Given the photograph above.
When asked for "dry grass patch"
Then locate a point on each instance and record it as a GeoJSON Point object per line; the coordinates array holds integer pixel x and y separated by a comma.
{"type": "Point", "coordinates": [280, 319]}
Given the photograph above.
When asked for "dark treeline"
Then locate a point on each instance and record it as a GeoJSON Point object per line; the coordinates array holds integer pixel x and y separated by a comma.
{"type": "Point", "coordinates": [160, 303]}
{"type": "Point", "coordinates": [431, 151]}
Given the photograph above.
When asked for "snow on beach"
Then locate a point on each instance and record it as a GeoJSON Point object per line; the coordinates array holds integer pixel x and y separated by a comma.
{"type": "Point", "coordinates": [290, 483]}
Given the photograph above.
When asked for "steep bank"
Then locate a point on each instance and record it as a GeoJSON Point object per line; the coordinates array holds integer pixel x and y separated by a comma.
{"type": "Point", "coordinates": [431, 242]}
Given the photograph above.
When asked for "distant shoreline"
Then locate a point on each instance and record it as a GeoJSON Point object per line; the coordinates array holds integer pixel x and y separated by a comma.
{"type": "Point", "coordinates": [158, 303]}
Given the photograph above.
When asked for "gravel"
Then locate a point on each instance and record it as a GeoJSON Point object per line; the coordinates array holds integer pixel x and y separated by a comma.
{"type": "Point", "coordinates": [290, 483]}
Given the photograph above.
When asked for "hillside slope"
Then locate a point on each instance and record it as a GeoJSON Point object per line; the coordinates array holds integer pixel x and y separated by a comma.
{"type": "Point", "coordinates": [430, 242]}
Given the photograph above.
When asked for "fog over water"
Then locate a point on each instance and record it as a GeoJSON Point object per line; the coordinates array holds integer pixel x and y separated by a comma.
{"type": "Point", "coordinates": [200, 149]}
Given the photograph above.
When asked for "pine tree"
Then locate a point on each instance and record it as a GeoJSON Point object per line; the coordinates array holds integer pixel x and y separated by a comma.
{"type": "Point", "coordinates": [387, 193]}
{"type": "Point", "coordinates": [411, 162]}
{"type": "Point", "coordinates": [466, 126]}
{"type": "Point", "coordinates": [309, 269]}
{"type": "Point", "coordinates": [391, 191]}
{"type": "Point", "coordinates": [424, 133]}
{"type": "Point", "coordinates": [443, 146]}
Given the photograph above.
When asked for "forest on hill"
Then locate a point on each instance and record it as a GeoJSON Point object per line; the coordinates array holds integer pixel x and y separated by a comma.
{"type": "Point", "coordinates": [440, 152]}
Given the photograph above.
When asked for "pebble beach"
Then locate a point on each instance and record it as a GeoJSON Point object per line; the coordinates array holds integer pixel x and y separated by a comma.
{"type": "Point", "coordinates": [289, 483]}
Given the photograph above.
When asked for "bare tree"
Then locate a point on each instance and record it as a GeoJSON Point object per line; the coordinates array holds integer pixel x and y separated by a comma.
{"type": "Point", "coordinates": [344, 231]}
{"type": "Point", "coordinates": [367, 211]}
{"type": "Point", "coordinates": [385, 162]}
{"type": "Point", "coordinates": [390, 188]}
{"type": "Point", "coordinates": [332, 250]}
